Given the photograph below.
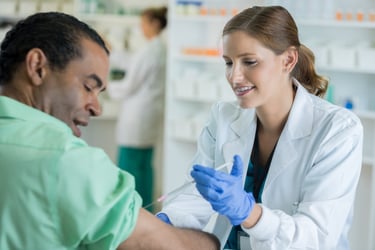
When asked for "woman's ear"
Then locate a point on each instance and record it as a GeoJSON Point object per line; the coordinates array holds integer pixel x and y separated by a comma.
{"type": "Point", "coordinates": [36, 63]}
{"type": "Point", "coordinates": [290, 59]}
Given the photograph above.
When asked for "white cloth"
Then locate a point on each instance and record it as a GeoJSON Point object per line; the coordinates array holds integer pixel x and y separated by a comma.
{"type": "Point", "coordinates": [142, 93]}
{"type": "Point", "coordinates": [309, 191]}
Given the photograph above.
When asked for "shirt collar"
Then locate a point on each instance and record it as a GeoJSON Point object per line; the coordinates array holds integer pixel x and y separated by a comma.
{"type": "Point", "coordinates": [11, 108]}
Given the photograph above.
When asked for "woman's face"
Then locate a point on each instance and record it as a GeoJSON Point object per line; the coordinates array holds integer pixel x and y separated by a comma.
{"type": "Point", "coordinates": [255, 73]}
{"type": "Point", "coordinates": [148, 27]}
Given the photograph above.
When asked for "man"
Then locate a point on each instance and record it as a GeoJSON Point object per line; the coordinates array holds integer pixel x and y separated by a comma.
{"type": "Point", "coordinates": [56, 192]}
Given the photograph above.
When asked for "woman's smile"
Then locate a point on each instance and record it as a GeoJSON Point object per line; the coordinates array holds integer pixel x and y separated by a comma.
{"type": "Point", "coordinates": [241, 91]}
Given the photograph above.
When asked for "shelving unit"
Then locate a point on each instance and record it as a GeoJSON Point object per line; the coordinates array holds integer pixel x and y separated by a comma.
{"type": "Point", "coordinates": [187, 110]}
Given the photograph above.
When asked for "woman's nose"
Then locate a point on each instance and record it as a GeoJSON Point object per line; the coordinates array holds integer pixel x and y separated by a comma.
{"type": "Point", "coordinates": [236, 74]}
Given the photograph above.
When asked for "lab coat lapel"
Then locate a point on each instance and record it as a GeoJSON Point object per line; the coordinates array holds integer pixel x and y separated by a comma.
{"type": "Point", "coordinates": [243, 131]}
{"type": "Point", "coordinates": [299, 125]}
{"type": "Point", "coordinates": [244, 128]}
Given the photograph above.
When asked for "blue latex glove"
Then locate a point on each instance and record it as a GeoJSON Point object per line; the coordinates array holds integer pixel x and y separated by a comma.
{"type": "Point", "coordinates": [224, 191]}
{"type": "Point", "coordinates": [164, 217]}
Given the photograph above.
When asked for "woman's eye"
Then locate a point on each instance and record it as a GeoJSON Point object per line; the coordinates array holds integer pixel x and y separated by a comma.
{"type": "Point", "coordinates": [228, 63]}
{"type": "Point", "coordinates": [250, 62]}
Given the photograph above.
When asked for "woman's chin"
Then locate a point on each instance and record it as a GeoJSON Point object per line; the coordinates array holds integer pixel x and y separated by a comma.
{"type": "Point", "coordinates": [245, 105]}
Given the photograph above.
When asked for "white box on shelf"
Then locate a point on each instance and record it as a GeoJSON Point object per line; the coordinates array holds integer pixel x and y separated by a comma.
{"type": "Point", "coordinates": [46, 6]}
{"type": "Point", "coordinates": [183, 129]}
{"type": "Point", "coordinates": [366, 56]}
{"type": "Point", "coordinates": [111, 108]}
{"type": "Point", "coordinates": [226, 93]}
{"type": "Point", "coordinates": [8, 7]}
{"type": "Point", "coordinates": [185, 90]}
{"type": "Point", "coordinates": [27, 7]}
{"type": "Point", "coordinates": [67, 7]}
{"type": "Point", "coordinates": [198, 123]}
{"type": "Point", "coordinates": [320, 50]}
{"type": "Point", "coordinates": [207, 91]}
{"type": "Point", "coordinates": [185, 83]}
{"type": "Point", "coordinates": [342, 55]}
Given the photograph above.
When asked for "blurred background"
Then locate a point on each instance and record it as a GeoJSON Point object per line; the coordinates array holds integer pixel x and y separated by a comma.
{"type": "Point", "coordinates": [341, 33]}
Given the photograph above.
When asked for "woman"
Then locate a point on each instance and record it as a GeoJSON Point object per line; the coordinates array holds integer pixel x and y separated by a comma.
{"type": "Point", "coordinates": [140, 120]}
{"type": "Point", "coordinates": [301, 154]}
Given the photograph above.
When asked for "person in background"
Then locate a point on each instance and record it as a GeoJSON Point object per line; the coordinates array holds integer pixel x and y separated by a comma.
{"type": "Point", "coordinates": [140, 121]}
{"type": "Point", "coordinates": [296, 157]}
{"type": "Point", "coordinates": [56, 192]}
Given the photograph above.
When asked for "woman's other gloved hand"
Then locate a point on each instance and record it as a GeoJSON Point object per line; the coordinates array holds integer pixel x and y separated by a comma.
{"type": "Point", "coordinates": [164, 217]}
{"type": "Point", "coordinates": [224, 191]}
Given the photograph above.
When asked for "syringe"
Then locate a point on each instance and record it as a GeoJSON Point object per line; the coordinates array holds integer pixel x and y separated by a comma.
{"type": "Point", "coordinates": [172, 194]}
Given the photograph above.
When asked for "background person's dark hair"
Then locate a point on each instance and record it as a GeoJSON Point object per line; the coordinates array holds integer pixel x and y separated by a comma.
{"type": "Point", "coordinates": [159, 14]}
{"type": "Point", "coordinates": [275, 28]}
{"type": "Point", "coordinates": [57, 34]}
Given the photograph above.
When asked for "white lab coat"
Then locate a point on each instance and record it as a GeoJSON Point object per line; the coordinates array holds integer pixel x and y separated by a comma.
{"type": "Point", "coordinates": [309, 192]}
{"type": "Point", "coordinates": [142, 94]}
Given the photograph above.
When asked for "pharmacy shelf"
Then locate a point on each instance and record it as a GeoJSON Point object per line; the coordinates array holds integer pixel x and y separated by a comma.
{"type": "Point", "coordinates": [193, 99]}
{"type": "Point", "coordinates": [300, 22]}
{"type": "Point", "coordinates": [368, 160]}
{"type": "Point", "coordinates": [201, 18]}
{"type": "Point", "coordinates": [335, 24]}
{"type": "Point", "coordinates": [198, 59]}
{"type": "Point", "coordinates": [10, 18]}
{"type": "Point", "coordinates": [365, 114]}
{"type": "Point", "coordinates": [346, 70]}
{"type": "Point", "coordinates": [110, 19]}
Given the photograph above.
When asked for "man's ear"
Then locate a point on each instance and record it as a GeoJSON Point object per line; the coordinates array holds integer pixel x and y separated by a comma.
{"type": "Point", "coordinates": [36, 63]}
{"type": "Point", "coordinates": [290, 59]}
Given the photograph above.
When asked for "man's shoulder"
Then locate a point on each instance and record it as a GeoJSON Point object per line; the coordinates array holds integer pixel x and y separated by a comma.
{"type": "Point", "coordinates": [38, 135]}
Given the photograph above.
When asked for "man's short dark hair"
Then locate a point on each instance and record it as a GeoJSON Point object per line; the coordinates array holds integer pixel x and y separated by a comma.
{"type": "Point", "coordinates": [57, 34]}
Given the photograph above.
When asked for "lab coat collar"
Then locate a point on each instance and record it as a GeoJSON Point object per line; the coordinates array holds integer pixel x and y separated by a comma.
{"type": "Point", "coordinates": [300, 120]}
{"type": "Point", "coordinates": [246, 119]}
{"type": "Point", "coordinates": [244, 127]}
{"type": "Point", "coordinates": [299, 125]}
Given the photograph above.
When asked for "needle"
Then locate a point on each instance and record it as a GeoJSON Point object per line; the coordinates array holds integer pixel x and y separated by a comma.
{"type": "Point", "coordinates": [172, 194]}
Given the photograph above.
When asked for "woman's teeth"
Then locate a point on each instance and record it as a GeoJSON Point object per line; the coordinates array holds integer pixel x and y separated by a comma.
{"type": "Point", "coordinates": [243, 89]}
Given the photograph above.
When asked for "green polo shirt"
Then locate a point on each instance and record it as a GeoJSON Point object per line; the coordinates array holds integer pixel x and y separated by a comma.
{"type": "Point", "coordinates": [56, 192]}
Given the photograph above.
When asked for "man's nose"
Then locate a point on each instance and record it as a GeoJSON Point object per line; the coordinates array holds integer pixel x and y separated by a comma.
{"type": "Point", "coordinates": [95, 107]}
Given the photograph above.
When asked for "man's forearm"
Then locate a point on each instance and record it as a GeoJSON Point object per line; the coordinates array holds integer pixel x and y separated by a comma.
{"type": "Point", "coordinates": [150, 233]}
{"type": "Point", "coordinates": [194, 239]}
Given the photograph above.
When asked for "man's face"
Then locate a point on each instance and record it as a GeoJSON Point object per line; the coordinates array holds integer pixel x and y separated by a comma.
{"type": "Point", "coordinates": [71, 95]}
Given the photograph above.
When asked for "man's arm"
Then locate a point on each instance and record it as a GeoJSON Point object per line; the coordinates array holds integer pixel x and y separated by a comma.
{"type": "Point", "coordinates": [151, 233]}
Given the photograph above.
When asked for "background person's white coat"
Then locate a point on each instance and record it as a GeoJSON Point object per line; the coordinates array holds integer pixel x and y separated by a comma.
{"type": "Point", "coordinates": [142, 94]}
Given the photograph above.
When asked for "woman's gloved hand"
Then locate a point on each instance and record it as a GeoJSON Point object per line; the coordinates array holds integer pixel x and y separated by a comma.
{"type": "Point", "coordinates": [164, 217]}
{"type": "Point", "coordinates": [224, 191]}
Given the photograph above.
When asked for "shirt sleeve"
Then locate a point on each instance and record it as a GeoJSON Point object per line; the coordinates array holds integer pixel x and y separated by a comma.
{"type": "Point", "coordinates": [96, 202]}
